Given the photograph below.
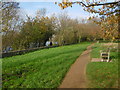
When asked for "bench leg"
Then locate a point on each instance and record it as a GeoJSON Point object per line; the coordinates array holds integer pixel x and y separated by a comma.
{"type": "Point", "coordinates": [102, 60]}
{"type": "Point", "coordinates": [108, 58]}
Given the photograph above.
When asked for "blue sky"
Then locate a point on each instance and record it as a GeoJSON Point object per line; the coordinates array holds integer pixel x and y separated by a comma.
{"type": "Point", "coordinates": [31, 7]}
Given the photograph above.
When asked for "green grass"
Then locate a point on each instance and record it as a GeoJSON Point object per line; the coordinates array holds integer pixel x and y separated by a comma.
{"type": "Point", "coordinates": [96, 50]}
{"type": "Point", "coordinates": [40, 69]}
{"type": "Point", "coordinates": [103, 74]}
{"type": "Point", "coordinates": [0, 74]}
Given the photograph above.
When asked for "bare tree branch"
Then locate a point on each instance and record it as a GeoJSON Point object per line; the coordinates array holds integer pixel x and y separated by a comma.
{"type": "Point", "coordinates": [96, 4]}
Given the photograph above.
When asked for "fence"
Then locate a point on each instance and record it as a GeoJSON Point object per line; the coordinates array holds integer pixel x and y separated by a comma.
{"type": "Point", "coordinates": [14, 53]}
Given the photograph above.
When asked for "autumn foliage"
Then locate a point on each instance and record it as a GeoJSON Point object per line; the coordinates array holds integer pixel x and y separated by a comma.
{"type": "Point", "coordinates": [107, 12]}
{"type": "Point", "coordinates": [35, 31]}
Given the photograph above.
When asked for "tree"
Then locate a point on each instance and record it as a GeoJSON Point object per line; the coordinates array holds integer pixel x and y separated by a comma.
{"type": "Point", "coordinates": [10, 16]}
{"type": "Point", "coordinates": [89, 5]}
{"type": "Point", "coordinates": [44, 26]}
{"type": "Point", "coordinates": [64, 29]}
{"type": "Point", "coordinates": [74, 31]}
{"type": "Point", "coordinates": [106, 11]}
{"type": "Point", "coordinates": [10, 22]}
{"type": "Point", "coordinates": [35, 31]}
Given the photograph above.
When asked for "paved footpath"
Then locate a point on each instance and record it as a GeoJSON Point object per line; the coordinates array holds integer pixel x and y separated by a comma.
{"type": "Point", "coordinates": [76, 76]}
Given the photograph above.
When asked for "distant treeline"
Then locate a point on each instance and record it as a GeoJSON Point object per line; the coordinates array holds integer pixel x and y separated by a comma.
{"type": "Point", "coordinates": [34, 32]}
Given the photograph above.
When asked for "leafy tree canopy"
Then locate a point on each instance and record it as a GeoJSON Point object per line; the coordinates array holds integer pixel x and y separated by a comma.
{"type": "Point", "coordinates": [107, 15]}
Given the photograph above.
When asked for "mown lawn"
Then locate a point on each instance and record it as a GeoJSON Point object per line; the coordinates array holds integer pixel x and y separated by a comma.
{"type": "Point", "coordinates": [103, 74]}
{"type": "Point", "coordinates": [40, 69]}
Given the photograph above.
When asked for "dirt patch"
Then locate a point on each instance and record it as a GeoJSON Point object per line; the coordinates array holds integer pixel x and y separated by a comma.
{"type": "Point", "coordinates": [96, 60]}
{"type": "Point", "coordinates": [111, 44]}
{"type": "Point", "coordinates": [76, 76]}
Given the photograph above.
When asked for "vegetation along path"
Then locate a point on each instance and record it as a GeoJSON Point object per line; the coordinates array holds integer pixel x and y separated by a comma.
{"type": "Point", "coordinates": [76, 76]}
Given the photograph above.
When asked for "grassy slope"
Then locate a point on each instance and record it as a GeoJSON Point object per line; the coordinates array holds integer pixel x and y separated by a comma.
{"type": "Point", "coordinates": [103, 74]}
{"type": "Point", "coordinates": [40, 69]}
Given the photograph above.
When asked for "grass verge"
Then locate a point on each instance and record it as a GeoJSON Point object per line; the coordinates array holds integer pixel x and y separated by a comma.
{"type": "Point", "coordinates": [103, 74]}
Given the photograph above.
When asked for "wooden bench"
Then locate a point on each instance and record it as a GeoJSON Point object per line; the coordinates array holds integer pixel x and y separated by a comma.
{"type": "Point", "coordinates": [105, 55]}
